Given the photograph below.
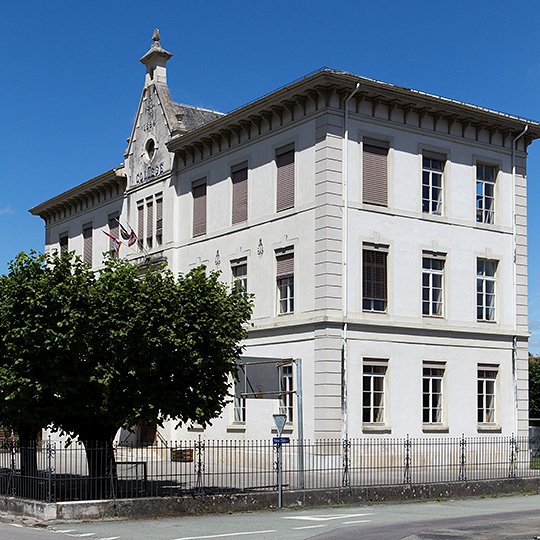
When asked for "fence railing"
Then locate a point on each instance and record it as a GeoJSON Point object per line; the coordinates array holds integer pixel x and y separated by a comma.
{"type": "Point", "coordinates": [52, 471]}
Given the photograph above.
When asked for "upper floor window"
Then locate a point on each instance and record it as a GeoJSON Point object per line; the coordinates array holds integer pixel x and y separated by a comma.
{"type": "Point", "coordinates": [432, 284]}
{"type": "Point", "coordinates": [239, 273]}
{"type": "Point", "coordinates": [374, 286]}
{"type": "Point", "coordinates": [485, 193]}
{"type": "Point", "coordinates": [285, 178]}
{"type": "Point", "coordinates": [240, 193]}
{"type": "Point", "coordinates": [285, 280]}
{"type": "Point", "coordinates": [432, 184]}
{"type": "Point", "coordinates": [87, 243]}
{"type": "Point", "coordinates": [199, 207]}
{"type": "Point", "coordinates": [150, 221]}
{"type": "Point", "coordinates": [375, 172]}
{"type": "Point", "coordinates": [63, 241]}
{"type": "Point", "coordinates": [114, 231]}
{"type": "Point", "coordinates": [485, 289]}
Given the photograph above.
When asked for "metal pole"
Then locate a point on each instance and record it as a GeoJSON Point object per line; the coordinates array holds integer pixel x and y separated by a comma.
{"type": "Point", "coordinates": [300, 423]}
{"type": "Point", "coordinates": [280, 486]}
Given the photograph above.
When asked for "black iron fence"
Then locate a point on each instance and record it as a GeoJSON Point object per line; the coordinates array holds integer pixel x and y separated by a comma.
{"type": "Point", "coordinates": [53, 471]}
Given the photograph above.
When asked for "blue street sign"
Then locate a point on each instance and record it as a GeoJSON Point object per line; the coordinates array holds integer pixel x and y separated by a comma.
{"type": "Point", "coordinates": [281, 440]}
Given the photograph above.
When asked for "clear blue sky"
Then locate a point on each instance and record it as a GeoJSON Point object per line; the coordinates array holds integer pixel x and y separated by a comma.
{"type": "Point", "coordinates": [71, 79]}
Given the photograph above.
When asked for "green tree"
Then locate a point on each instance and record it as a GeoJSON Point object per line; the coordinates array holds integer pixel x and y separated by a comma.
{"type": "Point", "coordinates": [534, 387]}
{"type": "Point", "coordinates": [122, 347]}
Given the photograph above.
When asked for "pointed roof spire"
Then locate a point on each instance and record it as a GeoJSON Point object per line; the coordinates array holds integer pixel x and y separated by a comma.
{"type": "Point", "coordinates": [155, 61]}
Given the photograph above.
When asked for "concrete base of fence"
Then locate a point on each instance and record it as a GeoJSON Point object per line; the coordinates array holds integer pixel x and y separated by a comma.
{"type": "Point", "coordinates": [162, 506]}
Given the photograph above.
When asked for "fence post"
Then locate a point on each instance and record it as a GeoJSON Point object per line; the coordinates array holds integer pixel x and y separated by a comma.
{"type": "Point", "coordinates": [200, 465]}
{"type": "Point", "coordinates": [51, 451]}
{"type": "Point", "coordinates": [407, 472]}
{"type": "Point", "coordinates": [12, 472]}
{"type": "Point", "coordinates": [346, 480]}
{"type": "Point", "coordinates": [462, 458]}
{"type": "Point", "coordinates": [513, 451]}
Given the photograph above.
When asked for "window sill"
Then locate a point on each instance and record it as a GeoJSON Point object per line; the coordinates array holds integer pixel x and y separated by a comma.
{"type": "Point", "coordinates": [288, 428]}
{"type": "Point", "coordinates": [434, 428]}
{"type": "Point", "coordinates": [236, 428]}
{"type": "Point", "coordinates": [489, 428]}
{"type": "Point", "coordinates": [197, 429]}
{"type": "Point", "coordinates": [486, 321]}
{"type": "Point", "coordinates": [373, 428]}
{"type": "Point", "coordinates": [385, 312]}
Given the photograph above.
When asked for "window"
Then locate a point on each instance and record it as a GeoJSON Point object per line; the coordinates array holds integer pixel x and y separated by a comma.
{"type": "Point", "coordinates": [286, 386]}
{"type": "Point", "coordinates": [432, 394]}
{"type": "Point", "coordinates": [485, 289]}
{"type": "Point", "coordinates": [114, 230]}
{"type": "Point", "coordinates": [374, 291]}
{"type": "Point", "coordinates": [239, 406]}
{"type": "Point", "coordinates": [240, 193]}
{"type": "Point", "coordinates": [432, 285]}
{"type": "Point", "coordinates": [486, 395]}
{"type": "Point", "coordinates": [375, 172]}
{"type": "Point", "coordinates": [87, 243]}
{"type": "Point", "coordinates": [373, 394]}
{"type": "Point", "coordinates": [150, 222]}
{"type": "Point", "coordinates": [485, 193]}
{"type": "Point", "coordinates": [63, 241]}
{"type": "Point", "coordinates": [432, 187]}
{"type": "Point", "coordinates": [285, 178]}
{"type": "Point", "coordinates": [239, 273]}
{"type": "Point", "coordinates": [285, 280]}
{"type": "Point", "coordinates": [199, 207]}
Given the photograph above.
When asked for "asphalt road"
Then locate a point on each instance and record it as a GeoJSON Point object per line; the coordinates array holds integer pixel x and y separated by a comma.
{"type": "Point", "coordinates": [511, 517]}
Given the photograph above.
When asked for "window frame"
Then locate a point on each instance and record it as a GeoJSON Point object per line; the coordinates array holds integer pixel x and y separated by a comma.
{"type": "Point", "coordinates": [240, 282]}
{"type": "Point", "coordinates": [433, 398]}
{"type": "Point", "coordinates": [485, 203]}
{"type": "Point", "coordinates": [371, 281]}
{"type": "Point", "coordinates": [286, 384]}
{"type": "Point", "coordinates": [200, 222]}
{"type": "Point", "coordinates": [285, 281]}
{"type": "Point", "coordinates": [240, 193]}
{"type": "Point", "coordinates": [485, 282]}
{"type": "Point", "coordinates": [486, 405]}
{"type": "Point", "coordinates": [432, 274]}
{"type": "Point", "coordinates": [374, 373]}
{"type": "Point", "coordinates": [285, 177]}
{"type": "Point", "coordinates": [63, 242]}
{"type": "Point", "coordinates": [375, 173]}
{"type": "Point", "coordinates": [88, 241]}
{"type": "Point", "coordinates": [431, 205]}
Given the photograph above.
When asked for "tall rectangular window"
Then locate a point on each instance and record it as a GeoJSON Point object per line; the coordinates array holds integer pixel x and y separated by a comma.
{"type": "Point", "coordinates": [432, 285]}
{"type": "Point", "coordinates": [239, 273]}
{"type": "Point", "coordinates": [285, 280]}
{"type": "Point", "coordinates": [375, 172]}
{"type": "Point", "coordinates": [486, 395]}
{"type": "Point", "coordinates": [159, 221]}
{"type": "Point", "coordinates": [199, 207]}
{"type": "Point", "coordinates": [140, 224]}
{"type": "Point", "coordinates": [239, 407]}
{"type": "Point", "coordinates": [485, 193]}
{"type": "Point", "coordinates": [63, 241]}
{"type": "Point", "coordinates": [240, 193]}
{"type": "Point", "coordinates": [149, 222]}
{"type": "Point", "coordinates": [432, 184]}
{"type": "Point", "coordinates": [485, 289]}
{"type": "Point", "coordinates": [114, 230]}
{"type": "Point", "coordinates": [374, 287]}
{"type": "Point", "coordinates": [286, 387]}
{"type": "Point", "coordinates": [373, 394]}
{"type": "Point", "coordinates": [285, 178]}
{"type": "Point", "coordinates": [87, 243]}
{"type": "Point", "coordinates": [432, 395]}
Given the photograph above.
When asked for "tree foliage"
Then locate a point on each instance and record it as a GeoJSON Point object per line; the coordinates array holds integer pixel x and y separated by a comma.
{"type": "Point", "coordinates": [534, 387]}
{"type": "Point", "coordinates": [92, 352]}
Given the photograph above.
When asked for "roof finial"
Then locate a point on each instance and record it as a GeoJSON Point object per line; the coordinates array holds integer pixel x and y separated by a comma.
{"type": "Point", "coordinates": [156, 37]}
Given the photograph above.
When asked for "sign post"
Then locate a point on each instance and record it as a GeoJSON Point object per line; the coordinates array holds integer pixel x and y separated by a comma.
{"type": "Point", "coordinates": [279, 420]}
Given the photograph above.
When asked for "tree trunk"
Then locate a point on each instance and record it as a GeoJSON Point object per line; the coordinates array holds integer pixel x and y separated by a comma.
{"type": "Point", "coordinates": [29, 481]}
{"type": "Point", "coordinates": [102, 478]}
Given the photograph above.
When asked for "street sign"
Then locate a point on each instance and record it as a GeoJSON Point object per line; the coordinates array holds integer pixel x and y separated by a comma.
{"type": "Point", "coordinates": [280, 420]}
{"type": "Point", "coordinates": [281, 440]}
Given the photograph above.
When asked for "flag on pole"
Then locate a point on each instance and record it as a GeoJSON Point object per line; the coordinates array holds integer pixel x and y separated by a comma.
{"type": "Point", "coordinates": [123, 233]}
{"type": "Point", "coordinates": [116, 243]}
{"type": "Point", "coordinates": [130, 237]}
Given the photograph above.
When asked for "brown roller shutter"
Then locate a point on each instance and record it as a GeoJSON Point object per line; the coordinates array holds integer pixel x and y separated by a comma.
{"type": "Point", "coordinates": [375, 176]}
{"type": "Point", "coordinates": [114, 231]}
{"type": "Point", "coordinates": [87, 244]}
{"type": "Point", "coordinates": [140, 224]}
{"type": "Point", "coordinates": [374, 275]}
{"type": "Point", "coordinates": [285, 180]}
{"type": "Point", "coordinates": [285, 263]}
{"type": "Point", "coordinates": [149, 222]}
{"type": "Point", "coordinates": [199, 209]}
{"type": "Point", "coordinates": [240, 195]}
{"type": "Point", "coordinates": [159, 221]}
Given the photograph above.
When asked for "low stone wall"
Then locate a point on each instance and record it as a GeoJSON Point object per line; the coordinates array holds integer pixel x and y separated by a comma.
{"type": "Point", "coordinates": [162, 506]}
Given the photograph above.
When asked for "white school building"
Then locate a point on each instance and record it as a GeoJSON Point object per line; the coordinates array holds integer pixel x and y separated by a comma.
{"type": "Point", "coordinates": [382, 230]}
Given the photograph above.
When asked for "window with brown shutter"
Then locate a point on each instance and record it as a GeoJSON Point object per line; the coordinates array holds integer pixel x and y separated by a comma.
{"type": "Point", "coordinates": [159, 221]}
{"type": "Point", "coordinates": [140, 225]}
{"type": "Point", "coordinates": [240, 193]}
{"type": "Point", "coordinates": [285, 178]}
{"type": "Point", "coordinates": [149, 222]}
{"type": "Point", "coordinates": [375, 172]}
{"type": "Point", "coordinates": [285, 280]}
{"type": "Point", "coordinates": [87, 243]}
{"type": "Point", "coordinates": [374, 289]}
{"type": "Point", "coordinates": [63, 241]}
{"type": "Point", "coordinates": [114, 230]}
{"type": "Point", "coordinates": [199, 208]}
